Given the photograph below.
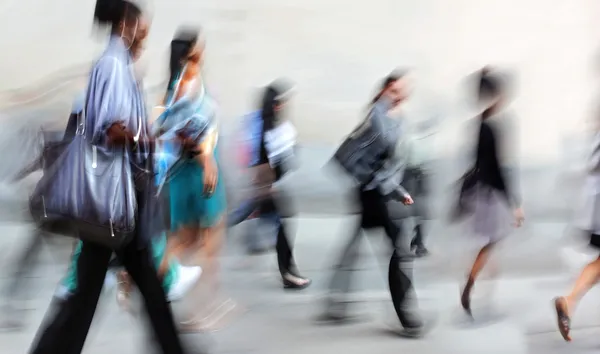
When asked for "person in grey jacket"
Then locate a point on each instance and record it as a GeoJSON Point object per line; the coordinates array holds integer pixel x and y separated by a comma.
{"type": "Point", "coordinates": [378, 171]}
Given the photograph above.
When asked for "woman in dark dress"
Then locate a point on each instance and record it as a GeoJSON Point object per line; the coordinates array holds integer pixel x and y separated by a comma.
{"type": "Point", "coordinates": [490, 191]}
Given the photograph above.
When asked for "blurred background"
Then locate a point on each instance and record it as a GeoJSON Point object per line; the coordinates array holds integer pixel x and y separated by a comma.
{"type": "Point", "coordinates": [336, 51]}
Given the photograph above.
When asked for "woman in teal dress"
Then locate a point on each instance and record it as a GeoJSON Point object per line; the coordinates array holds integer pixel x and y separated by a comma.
{"type": "Point", "coordinates": [196, 190]}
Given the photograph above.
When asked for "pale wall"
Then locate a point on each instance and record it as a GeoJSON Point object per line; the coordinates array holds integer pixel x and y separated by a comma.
{"type": "Point", "coordinates": [336, 50]}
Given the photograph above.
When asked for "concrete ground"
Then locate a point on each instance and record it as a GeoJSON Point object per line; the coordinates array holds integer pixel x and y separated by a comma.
{"type": "Point", "coordinates": [513, 314]}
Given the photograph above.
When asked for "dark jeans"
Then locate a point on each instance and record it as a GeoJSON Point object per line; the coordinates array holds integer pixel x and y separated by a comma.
{"type": "Point", "coordinates": [280, 205]}
{"type": "Point", "coordinates": [66, 331]}
{"type": "Point", "coordinates": [374, 214]}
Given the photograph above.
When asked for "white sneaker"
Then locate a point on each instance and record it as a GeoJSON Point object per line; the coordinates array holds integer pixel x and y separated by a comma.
{"type": "Point", "coordinates": [187, 277]}
{"type": "Point", "coordinates": [62, 292]}
{"type": "Point", "coordinates": [110, 280]}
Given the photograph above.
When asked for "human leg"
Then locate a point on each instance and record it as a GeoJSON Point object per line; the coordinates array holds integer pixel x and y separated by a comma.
{"type": "Point", "coordinates": [138, 263]}
{"type": "Point", "coordinates": [66, 331]}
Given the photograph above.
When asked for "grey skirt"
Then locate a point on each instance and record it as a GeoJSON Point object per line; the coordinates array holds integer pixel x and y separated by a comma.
{"type": "Point", "coordinates": [491, 215]}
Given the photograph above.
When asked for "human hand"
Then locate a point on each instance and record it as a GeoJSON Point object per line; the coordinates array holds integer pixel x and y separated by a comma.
{"type": "Point", "coordinates": [407, 200]}
{"type": "Point", "coordinates": [519, 216]}
{"type": "Point", "coordinates": [117, 133]}
{"type": "Point", "coordinates": [210, 174]}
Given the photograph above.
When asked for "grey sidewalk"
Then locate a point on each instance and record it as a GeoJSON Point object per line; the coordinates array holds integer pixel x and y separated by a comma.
{"type": "Point", "coordinates": [533, 270]}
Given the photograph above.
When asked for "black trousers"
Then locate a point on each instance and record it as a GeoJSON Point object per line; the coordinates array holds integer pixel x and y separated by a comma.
{"type": "Point", "coordinates": [374, 214]}
{"type": "Point", "coordinates": [280, 204]}
{"type": "Point", "coordinates": [66, 330]}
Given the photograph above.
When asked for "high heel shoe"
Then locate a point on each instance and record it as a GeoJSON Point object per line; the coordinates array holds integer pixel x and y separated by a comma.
{"type": "Point", "coordinates": [294, 282]}
{"type": "Point", "coordinates": [465, 297]}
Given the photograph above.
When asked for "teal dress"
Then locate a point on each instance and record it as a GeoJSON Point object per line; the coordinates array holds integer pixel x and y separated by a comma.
{"type": "Point", "coordinates": [194, 117]}
{"type": "Point", "coordinates": [189, 205]}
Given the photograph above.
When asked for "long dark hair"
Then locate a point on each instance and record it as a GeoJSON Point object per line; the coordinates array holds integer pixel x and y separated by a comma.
{"type": "Point", "coordinates": [184, 41]}
{"type": "Point", "coordinates": [386, 82]}
{"type": "Point", "coordinates": [490, 86]}
{"type": "Point", "coordinates": [274, 95]}
{"type": "Point", "coordinates": [269, 102]}
{"type": "Point", "coordinates": [113, 12]}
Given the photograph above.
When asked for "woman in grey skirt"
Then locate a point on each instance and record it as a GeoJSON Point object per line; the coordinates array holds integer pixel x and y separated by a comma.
{"type": "Point", "coordinates": [490, 193]}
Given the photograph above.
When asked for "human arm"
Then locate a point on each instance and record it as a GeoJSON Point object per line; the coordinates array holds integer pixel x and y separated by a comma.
{"type": "Point", "coordinates": [491, 172]}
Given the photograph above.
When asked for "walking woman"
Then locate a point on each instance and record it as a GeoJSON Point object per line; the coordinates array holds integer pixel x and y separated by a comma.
{"type": "Point", "coordinates": [274, 161]}
{"type": "Point", "coordinates": [196, 190]}
{"type": "Point", "coordinates": [381, 170]}
{"type": "Point", "coordinates": [588, 221]}
{"type": "Point", "coordinates": [487, 185]}
{"type": "Point", "coordinates": [115, 110]}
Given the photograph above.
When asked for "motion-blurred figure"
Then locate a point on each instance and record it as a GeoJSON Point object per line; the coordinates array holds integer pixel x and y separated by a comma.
{"type": "Point", "coordinates": [195, 185]}
{"type": "Point", "coordinates": [487, 192]}
{"type": "Point", "coordinates": [115, 110]}
{"type": "Point", "coordinates": [588, 221]}
{"type": "Point", "coordinates": [369, 155]}
{"type": "Point", "coordinates": [275, 160]}
{"type": "Point", "coordinates": [248, 152]}
{"type": "Point", "coordinates": [27, 260]}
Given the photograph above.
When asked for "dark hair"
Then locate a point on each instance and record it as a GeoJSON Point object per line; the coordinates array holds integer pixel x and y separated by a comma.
{"type": "Point", "coordinates": [269, 101]}
{"type": "Point", "coordinates": [113, 12]}
{"type": "Point", "coordinates": [386, 82]}
{"type": "Point", "coordinates": [490, 84]}
{"type": "Point", "coordinates": [185, 39]}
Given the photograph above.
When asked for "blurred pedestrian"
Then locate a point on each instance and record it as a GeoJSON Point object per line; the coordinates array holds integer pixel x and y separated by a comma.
{"type": "Point", "coordinates": [248, 153]}
{"type": "Point", "coordinates": [115, 110]}
{"type": "Point", "coordinates": [587, 221]}
{"type": "Point", "coordinates": [487, 192]}
{"type": "Point", "coordinates": [275, 160]}
{"type": "Point", "coordinates": [369, 155]}
{"type": "Point", "coordinates": [27, 259]}
{"type": "Point", "coordinates": [195, 183]}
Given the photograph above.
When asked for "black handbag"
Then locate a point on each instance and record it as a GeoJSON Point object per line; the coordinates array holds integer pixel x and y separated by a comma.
{"type": "Point", "coordinates": [89, 189]}
{"type": "Point", "coordinates": [362, 153]}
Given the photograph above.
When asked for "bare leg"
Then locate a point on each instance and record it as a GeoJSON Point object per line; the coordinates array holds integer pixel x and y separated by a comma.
{"type": "Point", "coordinates": [589, 277]}
{"type": "Point", "coordinates": [480, 262]}
{"type": "Point", "coordinates": [177, 244]}
{"type": "Point", "coordinates": [213, 309]}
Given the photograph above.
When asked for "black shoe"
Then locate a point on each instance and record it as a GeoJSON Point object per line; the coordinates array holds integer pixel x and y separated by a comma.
{"type": "Point", "coordinates": [465, 297]}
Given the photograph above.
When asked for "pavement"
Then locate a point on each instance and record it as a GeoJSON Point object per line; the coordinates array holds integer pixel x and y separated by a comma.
{"type": "Point", "coordinates": [513, 313]}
